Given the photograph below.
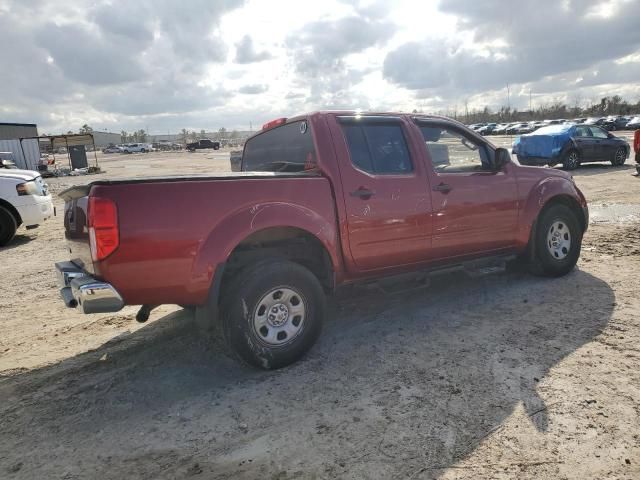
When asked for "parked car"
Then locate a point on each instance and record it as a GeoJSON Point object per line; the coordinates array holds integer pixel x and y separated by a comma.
{"type": "Point", "coordinates": [487, 129]}
{"type": "Point", "coordinates": [634, 123]}
{"type": "Point", "coordinates": [527, 128]}
{"type": "Point", "coordinates": [570, 145]}
{"type": "Point", "coordinates": [136, 148]}
{"type": "Point", "coordinates": [501, 129]}
{"type": "Point", "coordinates": [203, 144]}
{"type": "Point", "coordinates": [24, 200]}
{"type": "Point", "coordinates": [112, 149]}
{"type": "Point", "coordinates": [323, 200]}
{"type": "Point", "coordinates": [594, 121]}
{"type": "Point", "coordinates": [513, 129]}
{"type": "Point", "coordinates": [617, 122]}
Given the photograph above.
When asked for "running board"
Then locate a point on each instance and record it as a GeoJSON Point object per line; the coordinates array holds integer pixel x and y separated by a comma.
{"type": "Point", "coordinates": [420, 279]}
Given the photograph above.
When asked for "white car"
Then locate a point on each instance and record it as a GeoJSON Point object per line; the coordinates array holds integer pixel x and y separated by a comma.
{"type": "Point", "coordinates": [136, 147]}
{"type": "Point", "coordinates": [24, 200]}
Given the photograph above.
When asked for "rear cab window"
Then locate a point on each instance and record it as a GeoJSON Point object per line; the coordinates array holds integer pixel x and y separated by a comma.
{"type": "Point", "coordinates": [285, 148]}
{"type": "Point", "coordinates": [377, 148]}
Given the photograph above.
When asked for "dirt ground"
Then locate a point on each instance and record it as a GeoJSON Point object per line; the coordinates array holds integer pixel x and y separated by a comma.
{"type": "Point", "coordinates": [502, 376]}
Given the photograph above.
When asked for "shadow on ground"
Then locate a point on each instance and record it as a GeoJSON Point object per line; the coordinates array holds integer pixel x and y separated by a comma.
{"type": "Point", "coordinates": [587, 169]}
{"type": "Point", "coordinates": [18, 240]}
{"type": "Point", "coordinates": [399, 383]}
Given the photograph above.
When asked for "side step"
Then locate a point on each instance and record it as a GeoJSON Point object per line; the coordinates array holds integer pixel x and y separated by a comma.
{"type": "Point", "coordinates": [418, 280]}
{"type": "Point", "coordinates": [487, 266]}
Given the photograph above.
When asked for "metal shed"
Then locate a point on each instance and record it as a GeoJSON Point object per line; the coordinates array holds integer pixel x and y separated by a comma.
{"type": "Point", "coordinates": [14, 131]}
{"type": "Point", "coordinates": [68, 142]}
{"type": "Point", "coordinates": [26, 154]}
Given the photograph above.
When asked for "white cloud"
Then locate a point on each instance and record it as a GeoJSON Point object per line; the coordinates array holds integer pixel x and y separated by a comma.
{"type": "Point", "coordinates": [131, 64]}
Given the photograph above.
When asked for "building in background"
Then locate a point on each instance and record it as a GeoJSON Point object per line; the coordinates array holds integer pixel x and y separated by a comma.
{"type": "Point", "coordinates": [104, 139]}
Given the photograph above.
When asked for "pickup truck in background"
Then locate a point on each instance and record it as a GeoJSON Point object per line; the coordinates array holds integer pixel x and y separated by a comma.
{"type": "Point", "coordinates": [202, 144]}
{"type": "Point", "coordinates": [323, 200]}
{"type": "Point", "coordinates": [24, 200]}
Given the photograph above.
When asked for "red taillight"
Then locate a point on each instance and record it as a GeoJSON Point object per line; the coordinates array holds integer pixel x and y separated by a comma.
{"type": "Point", "coordinates": [274, 123]}
{"type": "Point", "coordinates": [103, 227]}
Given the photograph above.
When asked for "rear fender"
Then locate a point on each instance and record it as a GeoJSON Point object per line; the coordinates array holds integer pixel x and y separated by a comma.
{"type": "Point", "coordinates": [542, 194]}
{"type": "Point", "coordinates": [225, 236]}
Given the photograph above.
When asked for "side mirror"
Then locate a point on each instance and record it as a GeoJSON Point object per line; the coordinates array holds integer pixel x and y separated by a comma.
{"type": "Point", "coordinates": [502, 157]}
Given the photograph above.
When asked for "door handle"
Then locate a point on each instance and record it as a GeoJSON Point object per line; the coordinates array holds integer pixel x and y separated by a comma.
{"type": "Point", "coordinates": [363, 193]}
{"type": "Point", "coordinates": [443, 187]}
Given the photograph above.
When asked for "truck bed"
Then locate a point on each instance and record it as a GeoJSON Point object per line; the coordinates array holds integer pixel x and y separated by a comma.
{"type": "Point", "coordinates": [82, 190]}
{"type": "Point", "coordinates": [175, 231]}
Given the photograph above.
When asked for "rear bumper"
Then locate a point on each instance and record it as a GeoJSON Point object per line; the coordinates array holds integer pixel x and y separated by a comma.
{"type": "Point", "coordinates": [80, 290]}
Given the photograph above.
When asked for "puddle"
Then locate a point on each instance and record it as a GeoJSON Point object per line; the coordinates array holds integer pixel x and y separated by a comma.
{"type": "Point", "coordinates": [614, 213]}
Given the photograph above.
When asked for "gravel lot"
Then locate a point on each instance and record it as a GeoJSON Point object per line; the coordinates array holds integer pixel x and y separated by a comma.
{"type": "Point", "coordinates": [502, 376]}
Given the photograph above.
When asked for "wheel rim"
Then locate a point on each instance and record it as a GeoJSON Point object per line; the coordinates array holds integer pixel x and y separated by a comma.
{"type": "Point", "coordinates": [559, 240]}
{"type": "Point", "coordinates": [279, 316]}
{"type": "Point", "coordinates": [572, 160]}
{"type": "Point", "coordinates": [620, 156]}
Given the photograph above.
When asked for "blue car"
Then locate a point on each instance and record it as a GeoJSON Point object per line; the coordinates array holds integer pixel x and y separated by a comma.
{"type": "Point", "coordinates": [570, 145]}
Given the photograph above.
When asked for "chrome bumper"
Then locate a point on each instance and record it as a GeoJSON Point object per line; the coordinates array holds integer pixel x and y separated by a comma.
{"type": "Point", "coordinates": [80, 290]}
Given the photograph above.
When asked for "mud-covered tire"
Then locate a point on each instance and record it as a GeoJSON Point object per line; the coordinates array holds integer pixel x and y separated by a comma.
{"type": "Point", "coordinates": [243, 303]}
{"type": "Point", "coordinates": [555, 226]}
{"type": "Point", "coordinates": [571, 160]}
{"type": "Point", "coordinates": [8, 226]}
{"type": "Point", "coordinates": [619, 157]}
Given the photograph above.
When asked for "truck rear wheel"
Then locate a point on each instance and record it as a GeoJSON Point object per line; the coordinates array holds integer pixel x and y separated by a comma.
{"type": "Point", "coordinates": [556, 242]}
{"type": "Point", "coordinates": [272, 314]}
{"type": "Point", "coordinates": [8, 226]}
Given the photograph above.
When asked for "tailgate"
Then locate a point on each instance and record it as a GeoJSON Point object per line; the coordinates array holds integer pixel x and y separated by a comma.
{"type": "Point", "coordinates": [76, 229]}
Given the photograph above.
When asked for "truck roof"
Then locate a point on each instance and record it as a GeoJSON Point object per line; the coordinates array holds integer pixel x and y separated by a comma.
{"type": "Point", "coordinates": [364, 113]}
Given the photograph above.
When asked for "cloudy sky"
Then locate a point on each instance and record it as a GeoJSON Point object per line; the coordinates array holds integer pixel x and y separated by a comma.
{"type": "Point", "coordinates": [164, 65]}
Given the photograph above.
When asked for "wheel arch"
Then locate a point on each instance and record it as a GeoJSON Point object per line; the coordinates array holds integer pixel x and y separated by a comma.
{"type": "Point", "coordinates": [291, 243]}
{"type": "Point", "coordinates": [551, 191]}
{"type": "Point", "coordinates": [11, 209]}
{"type": "Point", "coordinates": [260, 233]}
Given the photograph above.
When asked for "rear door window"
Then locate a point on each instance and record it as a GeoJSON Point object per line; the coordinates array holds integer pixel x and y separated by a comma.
{"type": "Point", "coordinates": [379, 149]}
{"type": "Point", "coordinates": [598, 132]}
{"type": "Point", "coordinates": [582, 131]}
{"type": "Point", "coordinates": [287, 148]}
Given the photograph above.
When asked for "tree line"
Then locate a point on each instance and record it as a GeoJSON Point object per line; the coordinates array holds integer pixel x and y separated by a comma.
{"type": "Point", "coordinates": [613, 105]}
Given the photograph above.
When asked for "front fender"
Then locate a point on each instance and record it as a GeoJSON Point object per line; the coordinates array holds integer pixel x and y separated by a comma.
{"type": "Point", "coordinates": [539, 196]}
{"type": "Point", "coordinates": [226, 235]}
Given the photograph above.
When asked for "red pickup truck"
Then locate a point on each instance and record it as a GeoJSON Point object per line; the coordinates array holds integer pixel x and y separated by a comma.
{"type": "Point", "coordinates": [323, 200]}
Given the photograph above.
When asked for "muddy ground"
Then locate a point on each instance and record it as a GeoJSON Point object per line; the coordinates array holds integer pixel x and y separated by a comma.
{"type": "Point", "coordinates": [502, 376]}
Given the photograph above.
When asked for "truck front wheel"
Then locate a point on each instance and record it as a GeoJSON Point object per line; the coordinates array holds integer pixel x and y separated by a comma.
{"type": "Point", "coordinates": [272, 314]}
{"type": "Point", "coordinates": [8, 226]}
{"type": "Point", "coordinates": [556, 242]}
